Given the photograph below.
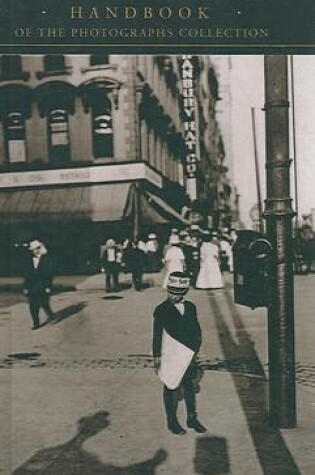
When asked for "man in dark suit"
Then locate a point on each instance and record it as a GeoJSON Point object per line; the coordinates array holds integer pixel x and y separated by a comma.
{"type": "Point", "coordinates": [135, 260]}
{"type": "Point", "coordinates": [38, 281]}
{"type": "Point", "coordinates": [176, 341]}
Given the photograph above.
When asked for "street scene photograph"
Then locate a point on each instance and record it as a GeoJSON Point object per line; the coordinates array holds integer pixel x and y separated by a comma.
{"type": "Point", "coordinates": [157, 264]}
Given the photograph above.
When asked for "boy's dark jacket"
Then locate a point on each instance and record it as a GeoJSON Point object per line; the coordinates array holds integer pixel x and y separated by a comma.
{"type": "Point", "coordinates": [183, 328]}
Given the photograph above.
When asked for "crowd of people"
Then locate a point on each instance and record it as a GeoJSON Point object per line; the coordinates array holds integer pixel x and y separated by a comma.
{"type": "Point", "coordinates": [202, 254]}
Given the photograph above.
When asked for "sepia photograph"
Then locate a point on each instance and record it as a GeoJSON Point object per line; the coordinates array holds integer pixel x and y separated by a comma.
{"type": "Point", "coordinates": [157, 260]}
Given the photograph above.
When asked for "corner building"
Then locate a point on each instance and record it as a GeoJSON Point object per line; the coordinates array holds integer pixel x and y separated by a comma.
{"type": "Point", "coordinates": [91, 147]}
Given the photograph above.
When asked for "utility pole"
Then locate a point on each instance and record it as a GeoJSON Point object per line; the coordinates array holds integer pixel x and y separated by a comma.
{"type": "Point", "coordinates": [279, 214]}
{"type": "Point", "coordinates": [261, 225]}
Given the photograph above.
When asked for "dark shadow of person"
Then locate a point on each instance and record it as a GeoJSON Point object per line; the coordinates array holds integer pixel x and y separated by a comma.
{"type": "Point", "coordinates": [211, 456]}
{"type": "Point", "coordinates": [71, 459]}
{"type": "Point", "coordinates": [67, 312]}
{"type": "Point", "coordinates": [251, 386]}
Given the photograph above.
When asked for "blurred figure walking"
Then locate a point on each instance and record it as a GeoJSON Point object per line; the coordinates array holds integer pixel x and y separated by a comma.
{"type": "Point", "coordinates": [210, 276]}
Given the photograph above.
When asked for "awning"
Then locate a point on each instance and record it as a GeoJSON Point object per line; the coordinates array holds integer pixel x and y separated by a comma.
{"type": "Point", "coordinates": [94, 203]}
{"type": "Point", "coordinates": [160, 212]}
{"type": "Point", "coordinates": [164, 209]}
{"type": "Point", "coordinates": [97, 203]}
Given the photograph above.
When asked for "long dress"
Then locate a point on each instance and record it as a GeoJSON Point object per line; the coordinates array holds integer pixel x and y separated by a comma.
{"type": "Point", "coordinates": [209, 276]}
{"type": "Point", "coordinates": [174, 262]}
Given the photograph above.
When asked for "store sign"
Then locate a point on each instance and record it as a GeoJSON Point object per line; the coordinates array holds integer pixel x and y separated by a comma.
{"type": "Point", "coordinates": [100, 174]}
{"type": "Point", "coordinates": [190, 126]}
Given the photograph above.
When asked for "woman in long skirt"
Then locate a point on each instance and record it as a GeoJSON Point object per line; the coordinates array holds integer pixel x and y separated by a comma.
{"type": "Point", "coordinates": [210, 276]}
{"type": "Point", "coordinates": [174, 259]}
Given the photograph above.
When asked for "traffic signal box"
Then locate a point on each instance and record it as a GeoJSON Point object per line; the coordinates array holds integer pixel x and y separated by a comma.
{"type": "Point", "coordinates": [253, 255]}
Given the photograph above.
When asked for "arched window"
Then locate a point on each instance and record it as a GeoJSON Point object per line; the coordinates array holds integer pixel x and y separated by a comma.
{"type": "Point", "coordinates": [55, 101]}
{"type": "Point", "coordinates": [14, 137]}
{"type": "Point", "coordinates": [58, 135]}
{"type": "Point", "coordinates": [102, 125]}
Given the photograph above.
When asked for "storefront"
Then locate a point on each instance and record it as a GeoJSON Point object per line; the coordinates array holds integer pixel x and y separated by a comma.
{"type": "Point", "coordinates": [75, 210]}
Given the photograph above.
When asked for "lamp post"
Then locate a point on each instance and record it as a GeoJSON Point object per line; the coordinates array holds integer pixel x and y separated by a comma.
{"type": "Point", "coordinates": [279, 214]}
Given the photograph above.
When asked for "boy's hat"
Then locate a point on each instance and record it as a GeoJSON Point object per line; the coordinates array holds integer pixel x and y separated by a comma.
{"type": "Point", "coordinates": [178, 283]}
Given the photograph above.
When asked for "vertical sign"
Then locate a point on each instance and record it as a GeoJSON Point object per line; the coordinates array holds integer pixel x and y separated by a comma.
{"type": "Point", "coordinates": [189, 109]}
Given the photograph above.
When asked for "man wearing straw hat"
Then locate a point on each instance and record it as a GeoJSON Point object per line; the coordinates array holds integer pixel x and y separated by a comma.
{"type": "Point", "coordinates": [38, 281]}
{"type": "Point", "coordinates": [176, 341]}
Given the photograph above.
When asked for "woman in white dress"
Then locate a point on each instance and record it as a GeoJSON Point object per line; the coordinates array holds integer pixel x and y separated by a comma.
{"type": "Point", "coordinates": [174, 259]}
{"type": "Point", "coordinates": [210, 276]}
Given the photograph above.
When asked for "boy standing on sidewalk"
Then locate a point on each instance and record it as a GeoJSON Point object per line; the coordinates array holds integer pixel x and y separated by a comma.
{"type": "Point", "coordinates": [176, 341]}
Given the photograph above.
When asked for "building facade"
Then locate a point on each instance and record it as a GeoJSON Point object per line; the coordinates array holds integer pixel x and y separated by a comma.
{"type": "Point", "coordinates": [95, 146]}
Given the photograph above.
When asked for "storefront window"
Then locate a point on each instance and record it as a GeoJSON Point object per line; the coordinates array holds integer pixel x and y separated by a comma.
{"type": "Point", "coordinates": [102, 127]}
{"type": "Point", "coordinates": [58, 132]}
{"type": "Point", "coordinates": [14, 134]}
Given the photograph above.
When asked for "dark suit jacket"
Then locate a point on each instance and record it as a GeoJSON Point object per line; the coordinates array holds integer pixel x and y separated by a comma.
{"type": "Point", "coordinates": [37, 280]}
{"type": "Point", "coordinates": [184, 328]}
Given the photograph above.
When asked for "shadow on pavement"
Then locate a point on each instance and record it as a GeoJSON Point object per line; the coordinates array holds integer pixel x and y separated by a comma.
{"type": "Point", "coordinates": [211, 456]}
{"type": "Point", "coordinates": [67, 312]}
{"type": "Point", "coordinates": [112, 297]}
{"type": "Point", "coordinates": [272, 452]}
{"type": "Point", "coordinates": [71, 459]}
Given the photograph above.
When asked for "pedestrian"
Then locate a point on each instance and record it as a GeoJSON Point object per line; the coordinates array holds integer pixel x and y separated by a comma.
{"type": "Point", "coordinates": [226, 255]}
{"type": "Point", "coordinates": [174, 258]}
{"type": "Point", "coordinates": [193, 259]}
{"type": "Point", "coordinates": [176, 342]}
{"type": "Point", "coordinates": [210, 276]}
{"type": "Point", "coordinates": [135, 260]}
{"type": "Point", "coordinates": [38, 281]}
{"type": "Point", "coordinates": [111, 264]}
{"type": "Point", "coordinates": [141, 245]}
{"type": "Point", "coordinates": [152, 250]}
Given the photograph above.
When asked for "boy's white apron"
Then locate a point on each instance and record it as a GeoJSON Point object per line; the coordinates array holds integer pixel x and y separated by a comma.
{"type": "Point", "coordinates": [175, 359]}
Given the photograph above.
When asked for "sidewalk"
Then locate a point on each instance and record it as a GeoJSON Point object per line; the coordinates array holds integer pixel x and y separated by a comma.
{"type": "Point", "coordinates": [81, 396]}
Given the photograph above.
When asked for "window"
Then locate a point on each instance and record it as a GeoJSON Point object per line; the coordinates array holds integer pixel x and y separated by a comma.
{"type": "Point", "coordinates": [54, 62]}
{"type": "Point", "coordinates": [99, 59]}
{"type": "Point", "coordinates": [11, 64]}
{"type": "Point", "coordinates": [58, 135]}
{"type": "Point", "coordinates": [14, 135]}
{"type": "Point", "coordinates": [102, 126]}
{"type": "Point", "coordinates": [11, 68]}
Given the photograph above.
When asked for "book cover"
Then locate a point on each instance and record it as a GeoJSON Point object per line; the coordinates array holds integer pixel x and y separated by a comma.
{"type": "Point", "coordinates": [126, 129]}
